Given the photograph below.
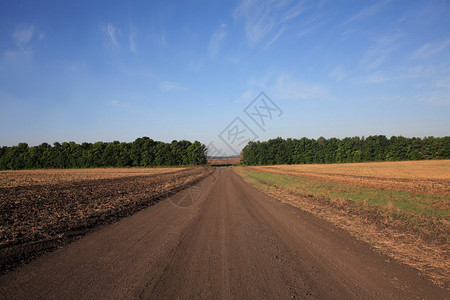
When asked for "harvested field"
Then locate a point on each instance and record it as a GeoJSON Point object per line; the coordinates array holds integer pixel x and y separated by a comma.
{"type": "Point", "coordinates": [400, 208]}
{"type": "Point", "coordinates": [56, 176]}
{"type": "Point", "coordinates": [420, 176]}
{"type": "Point", "coordinates": [43, 209]}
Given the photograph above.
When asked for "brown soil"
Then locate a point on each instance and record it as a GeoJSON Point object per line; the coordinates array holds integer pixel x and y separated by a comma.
{"type": "Point", "coordinates": [57, 176]}
{"type": "Point", "coordinates": [235, 242]}
{"type": "Point", "coordinates": [36, 218]}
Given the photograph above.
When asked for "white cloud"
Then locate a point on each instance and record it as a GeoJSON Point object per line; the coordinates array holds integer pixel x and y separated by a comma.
{"type": "Point", "coordinates": [423, 72]}
{"type": "Point", "coordinates": [257, 19]}
{"type": "Point", "coordinates": [430, 49]}
{"type": "Point", "coordinates": [132, 41]}
{"type": "Point", "coordinates": [377, 78]}
{"type": "Point", "coordinates": [11, 55]}
{"type": "Point", "coordinates": [287, 87]}
{"type": "Point", "coordinates": [283, 86]}
{"type": "Point", "coordinates": [69, 65]}
{"type": "Point", "coordinates": [264, 20]}
{"type": "Point", "coordinates": [216, 40]}
{"type": "Point", "coordinates": [438, 97]}
{"type": "Point", "coordinates": [338, 73]}
{"type": "Point", "coordinates": [111, 33]}
{"type": "Point", "coordinates": [366, 12]}
{"type": "Point", "coordinates": [443, 83]}
{"type": "Point", "coordinates": [159, 39]}
{"type": "Point", "coordinates": [295, 11]}
{"type": "Point", "coordinates": [307, 30]}
{"type": "Point", "coordinates": [195, 65]}
{"type": "Point", "coordinates": [279, 33]}
{"type": "Point", "coordinates": [23, 34]}
{"type": "Point", "coordinates": [379, 53]}
{"type": "Point", "coordinates": [440, 93]}
{"type": "Point", "coordinates": [167, 86]}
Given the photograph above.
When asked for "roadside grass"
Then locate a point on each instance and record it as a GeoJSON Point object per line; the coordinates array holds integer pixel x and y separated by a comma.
{"type": "Point", "coordinates": [410, 226]}
{"type": "Point", "coordinates": [409, 202]}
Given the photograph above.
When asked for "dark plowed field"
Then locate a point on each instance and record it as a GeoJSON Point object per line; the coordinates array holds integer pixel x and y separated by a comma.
{"type": "Point", "coordinates": [37, 218]}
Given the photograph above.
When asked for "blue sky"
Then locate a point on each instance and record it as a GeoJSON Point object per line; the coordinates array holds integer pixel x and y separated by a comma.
{"type": "Point", "coordinates": [118, 70]}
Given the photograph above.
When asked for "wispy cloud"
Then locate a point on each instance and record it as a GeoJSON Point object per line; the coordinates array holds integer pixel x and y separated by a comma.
{"type": "Point", "coordinates": [377, 78]}
{"type": "Point", "coordinates": [443, 83]}
{"type": "Point", "coordinates": [295, 11]}
{"type": "Point", "coordinates": [264, 20]}
{"type": "Point", "coordinates": [111, 33]}
{"type": "Point", "coordinates": [69, 65]}
{"type": "Point", "coordinates": [440, 94]}
{"type": "Point", "coordinates": [284, 86]}
{"type": "Point", "coordinates": [159, 39]}
{"type": "Point", "coordinates": [258, 21]}
{"type": "Point", "coordinates": [307, 30]}
{"type": "Point", "coordinates": [438, 97]}
{"type": "Point", "coordinates": [216, 40]}
{"type": "Point", "coordinates": [431, 49]}
{"type": "Point", "coordinates": [167, 86]}
{"type": "Point", "coordinates": [292, 88]}
{"type": "Point", "coordinates": [338, 73]}
{"type": "Point", "coordinates": [129, 108]}
{"type": "Point", "coordinates": [279, 33]}
{"type": "Point", "coordinates": [23, 34]}
{"type": "Point", "coordinates": [422, 72]}
{"type": "Point", "coordinates": [366, 12]}
{"type": "Point", "coordinates": [380, 51]}
{"type": "Point", "coordinates": [132, 40]}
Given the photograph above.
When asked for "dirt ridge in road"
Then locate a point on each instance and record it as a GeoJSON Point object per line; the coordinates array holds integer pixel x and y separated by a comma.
{"type": "Point", "coordinates": [40, 218]}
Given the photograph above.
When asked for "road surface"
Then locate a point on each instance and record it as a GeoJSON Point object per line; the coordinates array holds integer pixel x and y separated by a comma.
{"type": "Point", "coordinates": [233, 243]}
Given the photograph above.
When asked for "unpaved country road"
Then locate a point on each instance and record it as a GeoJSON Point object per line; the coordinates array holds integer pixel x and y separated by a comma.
{"type": "Point", "coordinates": [234, 242]}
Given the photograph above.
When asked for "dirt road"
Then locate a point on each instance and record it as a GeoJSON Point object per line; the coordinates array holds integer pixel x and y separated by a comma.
{"type": "Point", "coordinates": [234, 242]}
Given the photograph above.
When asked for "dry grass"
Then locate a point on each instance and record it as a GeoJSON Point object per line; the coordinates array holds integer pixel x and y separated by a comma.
{"type": "Point", "coordinates": [401, 208]}
{"type": "Point", "coordinates": [57, 176]}
{"type": "Point", "coordinates": [424, 169]}
{"type": "Point", "coordinates": [432, 177]}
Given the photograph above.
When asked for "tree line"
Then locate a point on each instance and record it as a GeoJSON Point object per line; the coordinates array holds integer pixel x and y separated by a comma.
{"type": "Point", "coordinates": [143, 152]}
{"type": "Point", "coordinates": [351, 149]}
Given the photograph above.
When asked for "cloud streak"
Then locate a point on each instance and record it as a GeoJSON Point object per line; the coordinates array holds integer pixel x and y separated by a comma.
{"type": "Point", "coordinates": [440, 94]}
{"type": "Point", "coordinates": [216, 40]}
{"type": "Point", "coordinates": [338, 73]}
{"type": "Point", "coordinates": [111, 33]}
{"type": "Point", "coordinates": [430, 49]}
{"type": "Point", "coordinates": [273, 40]}
{"type": "Point", "coordinates": [168, 86]}
{"type": "Point", "coordinates": [379, 53]}
{"type": "Point", "coordinates": [286, 87]}
{"type": "Point", "coordinates": [23, 34]}
{"type": "Point", "coordinates": [366, 12]}
{"type": "Point", "coordinates": [265, 20]}
{"type": "Point", "coordinates": [23, 37]}
{"type": "Point", "coordinates": [132, 41]}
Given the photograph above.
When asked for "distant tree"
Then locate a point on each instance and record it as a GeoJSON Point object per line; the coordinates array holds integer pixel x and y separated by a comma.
{"type": "Point", "coordinates": [142, 152]}
{"type": "Point", "coordinates": [351, 149]}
